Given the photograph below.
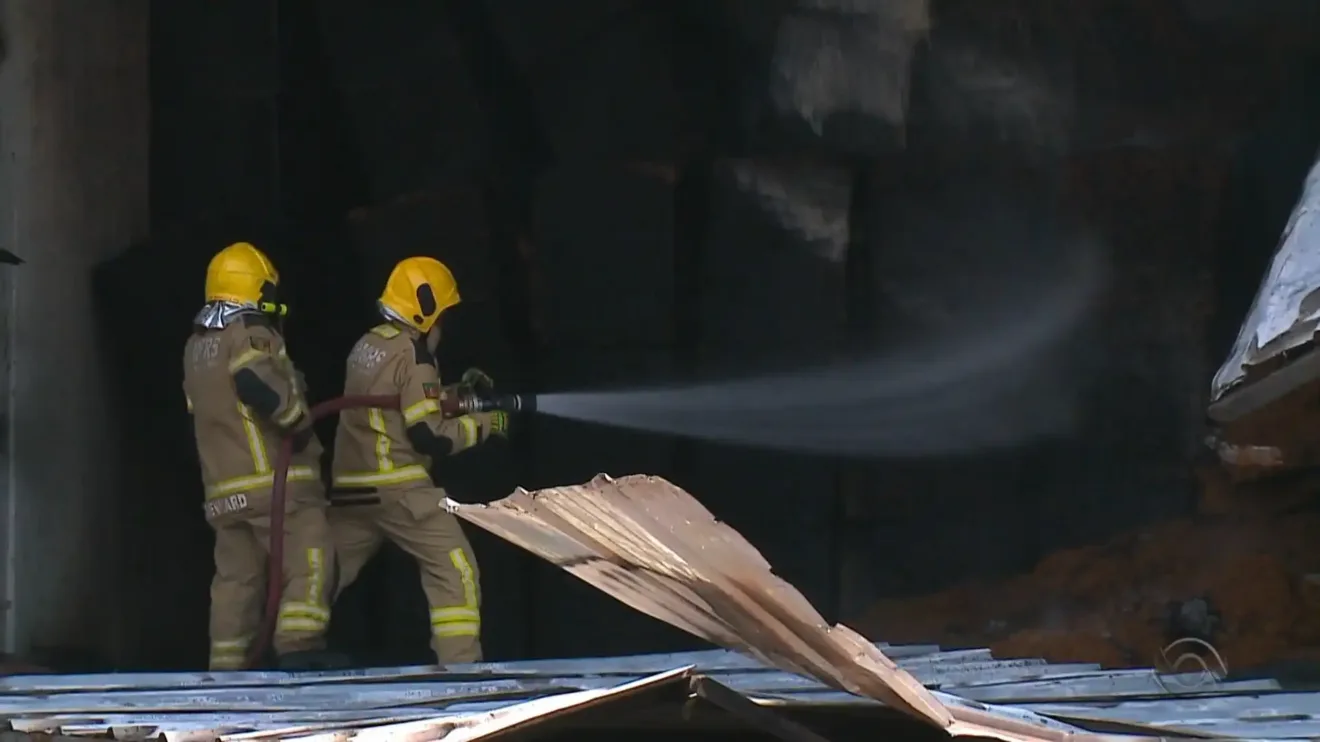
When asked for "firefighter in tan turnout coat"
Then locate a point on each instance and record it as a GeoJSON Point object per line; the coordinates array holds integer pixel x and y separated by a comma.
{"type": "Point", "coordinates": [245, 395]}
{"type": "Point", "coordinates": [382, 486]}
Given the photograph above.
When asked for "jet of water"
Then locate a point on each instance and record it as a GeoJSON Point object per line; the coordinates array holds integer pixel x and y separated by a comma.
{"type": "Point", "coordinates": [994, 384]}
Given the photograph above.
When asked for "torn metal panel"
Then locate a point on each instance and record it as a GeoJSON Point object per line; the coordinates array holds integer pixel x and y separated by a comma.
{"type": "Point", "coordinates": [324, 695]}
{"type": "Point", "coordinates": [317, 703]}
{"type": "Point", "coordinates": [650, 545]}
{"type": "Point", "coordinates": [1282, 319]}
{"type": "Point", "coordinates": [488, 724]}
{"type": "Point", "coordinates": [645, 541]}
{"type": "Point", "coordinates": [655, 548]}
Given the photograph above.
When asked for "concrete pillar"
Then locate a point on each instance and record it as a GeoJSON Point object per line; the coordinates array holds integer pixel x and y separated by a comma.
{"type": "Point", "coordinates": [73, 190]}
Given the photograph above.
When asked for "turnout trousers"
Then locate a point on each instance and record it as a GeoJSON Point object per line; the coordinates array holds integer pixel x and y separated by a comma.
{"type": "Point", "coordinates": [238, 591]}
{"type": "Point", "coordinates": [414, 520]}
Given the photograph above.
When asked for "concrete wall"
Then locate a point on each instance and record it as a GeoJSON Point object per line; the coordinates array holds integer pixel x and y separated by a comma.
{"type": "Point", "coordinates": [74, 130]}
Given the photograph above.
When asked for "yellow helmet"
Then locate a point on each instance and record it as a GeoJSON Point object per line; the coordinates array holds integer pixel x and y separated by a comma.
{"type": "Point", "coordinates": [417, 291]}
{"type": "Point", "coordinates": [242, 274]}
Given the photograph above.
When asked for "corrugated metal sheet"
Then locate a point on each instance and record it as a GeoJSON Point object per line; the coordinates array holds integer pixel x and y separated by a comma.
{"type": "Point", "coordinates": [1284, 315]}
{"type": "Point", "coordinates": [194, 706]}
{"type": "Point", "coordinates": [204, 706]}
{"type": "Point", "coordinates": [652, 546]}
{"type": "Point", "coordinates": [646, 542]}
{"type": "Point", "coordinates": [338, 712]}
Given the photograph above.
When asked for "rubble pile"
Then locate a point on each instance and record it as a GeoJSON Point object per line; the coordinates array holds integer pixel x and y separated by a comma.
{"type": "Point", "coordinates": [1114, 604]}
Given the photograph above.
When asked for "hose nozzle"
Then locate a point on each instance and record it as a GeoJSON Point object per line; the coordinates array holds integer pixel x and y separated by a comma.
{"type": "Point", "coordinates": [494, 402]}
{"type": "Point", "coordinates": [511, 403]}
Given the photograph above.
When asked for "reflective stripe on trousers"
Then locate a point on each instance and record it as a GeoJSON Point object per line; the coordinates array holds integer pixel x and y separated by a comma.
{"type": "Point", "coordinates": [229, 654]}
{"type": "Point", "coordinates": [311, 615]}
{"type": "Point", "coordinates": [459, 620]}
{"type": "Point", "coordinates": [410, 473]}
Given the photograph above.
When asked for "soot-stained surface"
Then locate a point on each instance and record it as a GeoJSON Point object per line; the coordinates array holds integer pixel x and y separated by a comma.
{"type": "Point", "coordinates": [578, 170]}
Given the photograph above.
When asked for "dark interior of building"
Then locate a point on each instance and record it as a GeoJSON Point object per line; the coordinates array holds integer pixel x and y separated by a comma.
{"type": "Point", "coordinates": [578, 166]}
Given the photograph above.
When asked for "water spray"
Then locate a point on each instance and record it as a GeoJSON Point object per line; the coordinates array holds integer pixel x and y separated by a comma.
{"type": "Point", "coordinates": [994, 383]}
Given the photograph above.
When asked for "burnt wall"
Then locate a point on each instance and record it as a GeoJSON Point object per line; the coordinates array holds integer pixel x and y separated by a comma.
{"type": "Point", "coordinates": [1161, 156]}
{"type": "Point", "coordinates": [219, 89]}
{"type": "Point", "coordinates": [580, 178]}
{"type": "Point", "coordinates": [238, 152]}
{"type": "Point", "coordinates": [73, 192]}
{"type": "Point", "coordinates": [586, 175]}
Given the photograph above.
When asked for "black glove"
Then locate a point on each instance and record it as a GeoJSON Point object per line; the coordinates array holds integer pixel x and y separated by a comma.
{"type": "Point", "coordinates": [477, 380]}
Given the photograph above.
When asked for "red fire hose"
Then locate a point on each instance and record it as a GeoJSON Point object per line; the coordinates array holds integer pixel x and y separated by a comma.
{"type": "Point", "coordinates": [275, 579]}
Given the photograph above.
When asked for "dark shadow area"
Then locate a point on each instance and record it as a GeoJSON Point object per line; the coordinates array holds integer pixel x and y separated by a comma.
{"type": "Point", "coordinates": [1265, 181]}
{"type": "Point", "coordinates": [583, 174]}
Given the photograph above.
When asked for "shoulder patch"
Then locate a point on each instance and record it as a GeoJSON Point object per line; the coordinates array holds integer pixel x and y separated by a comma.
{"type": "Point", "coordinates": [261, 344]}
{"type": "Point", "coordinates": [431, 390]}
{"type": "Point", "coordinates": [422, 354]}
{"type": "Point", "coordinates": [386, 331]}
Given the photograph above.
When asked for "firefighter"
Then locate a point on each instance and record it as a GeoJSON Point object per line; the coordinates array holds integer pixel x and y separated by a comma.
{"type": "Point", "coordinates": [382, 486]}
{"type": "Point", "coordinates": [244, 395]}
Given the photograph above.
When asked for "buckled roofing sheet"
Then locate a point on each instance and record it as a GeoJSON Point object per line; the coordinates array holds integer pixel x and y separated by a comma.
{"type": "Point", "coordinates": [259, 705]}
{"type": "Point", "coordinates": [646, 542]}
{"type": "Point", "coordinates": [652, 546]}
{"type": "Point", "coordinates": [1283, 316]}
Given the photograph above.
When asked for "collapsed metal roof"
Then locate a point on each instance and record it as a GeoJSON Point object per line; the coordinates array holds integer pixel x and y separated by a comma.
{"type": "Point", "coordinates": [1282, 320]}
{"type": "Point", "coordinates": [485, 699]}
{"type": "Point", "coordinates": [651, 545]}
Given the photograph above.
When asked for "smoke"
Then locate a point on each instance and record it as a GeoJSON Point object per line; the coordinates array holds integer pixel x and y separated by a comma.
{"type": "Point", "coordinates": [810, 199]}
{"type": "Point", "coordinates": [834, 57]}
{"type": "Point", "coordinates": [983, 293]}
{"type": "Point", "coordinates": [849, 70]}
